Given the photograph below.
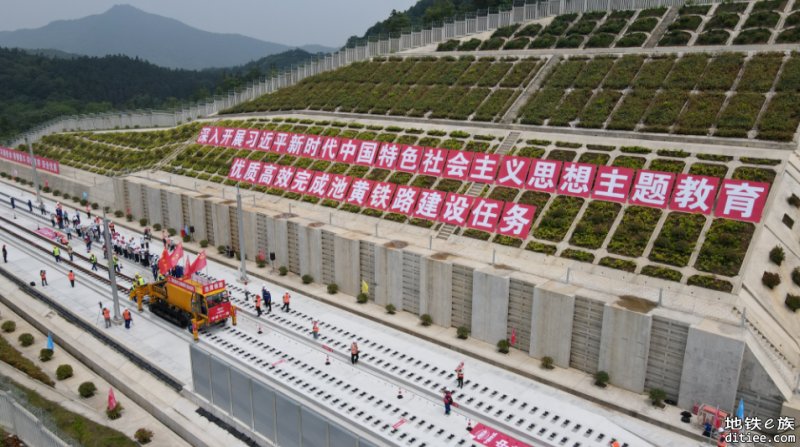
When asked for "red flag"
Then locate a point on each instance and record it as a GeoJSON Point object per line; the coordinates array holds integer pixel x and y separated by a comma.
{"type": "Point", "coordinates": [164, 262]}
{"type": "Point", "coordinates": [176, 255]}
{"type": "Point", "coordinates": [198, 264]}
{"type": "Point", "coordinates": [112, 401]}
{"type": "Point", "coordinates": [513, 337]}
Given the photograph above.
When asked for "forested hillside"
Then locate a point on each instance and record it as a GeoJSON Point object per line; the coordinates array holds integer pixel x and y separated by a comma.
{"type": "Point", "coordinates": [38, 88]}
{"type": "Point", "coordinates": [426, 12]}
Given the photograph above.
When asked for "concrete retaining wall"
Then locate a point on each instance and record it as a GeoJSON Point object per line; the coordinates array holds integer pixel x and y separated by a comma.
{"type": "Point", "coordinates": [713, 355]}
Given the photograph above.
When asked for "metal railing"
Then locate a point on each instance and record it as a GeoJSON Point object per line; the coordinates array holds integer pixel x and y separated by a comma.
{"type": "Point", "coordinates": [25, 425]}
{"type": "Point", "coordinates": [454, 28]}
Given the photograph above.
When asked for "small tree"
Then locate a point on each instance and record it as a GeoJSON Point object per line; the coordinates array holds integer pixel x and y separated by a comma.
{"type": "Point", "coordinates": [9, 326]}
{"type": "Point", "coordinates": [362, 298]}
{"type": "Point", "coordinates": [143, 436]}
{"type": "Point", "coordinates": [143, 222]}
{"type": "Point", "coordinates": [171, 232]}
{"type": "Point", "coordinates": [46, 355]}
{"type": "Point", "coordinates": [118, 213]}
{"type": "Point", "coordinates": [87, 389]}
{"type": "Point", "coordinates": [771, 280]}
{"type": "Point", "coordinates": [333, 288]}
{"type": "Point", "coordinates": [796, 276]}
{"type": "Point", "coordinates": [203, 243]}
{"type": "Point", "coordinates": [601, 379]}
{"type": "Point", "coordinates": [426, 320]}
{"type": "Point", "coordinates": [792, 302]}
{"type": "Point", "coordinates": [503, 346]}
{"type": "Point", "coordinates": [282, 270]}
{"type": "Point", "coordinates": [157, 226]}
{"type": "Point", "coordinates": [307, 279]}
{"type": "Point", "coordinates": [26, 339]}
{"type": "Point", "coordinates": [794, 201]}
{"type": "Point", "coordinates": [776, 255]}
{"type": "Point", "coordinates": [115, 413]}
{"type": "Point", "coordinates": [462, 332]}
{"type": "Point", "coordinates": [547, 362]}
{"type": "Point", "coordinates": [390, 309]}
{"type": "Point", "coordinates": [657, 396]}
{"type": "Point", "coordinates": [63, 372]}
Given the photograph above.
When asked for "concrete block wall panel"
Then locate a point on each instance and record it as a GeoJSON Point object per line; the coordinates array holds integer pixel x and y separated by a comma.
{"type": "Point", "coordinates": [520, 308]}
{"type": "Point", "coordinates": [711, 365]}
{"type": "Point", "coordinates": [667, 347]}
{"type": "Point", "coordinates": [761, 397]}
{"type": "Point", "coordinates": [175, 210]}
{"type": "Point", "coordinates": [135, 200]}
{"type": "Point", "coordinates": [551, 321]}
{"type": "Point", "coordinates": [118, 193]}
{"type": "Point", "coordinates": [490, 304]}
{"type": "Point", "coordinates": [310, 239]}
{"type": "Point", "coordinates": [436, 291]}
{"type": "Point", "coordinates": [250, 241]}
{"type": "Point", "coordinates": [269, 227]}
{"type": "Point", "coordinates": [624, 345]}
{"type": "Point", "coordinates": [280, 241]}
{"type": "Point", "coordinates": [220, 215]}
{"type": "Point", "coordinates": [347, 268]}
{"type": "Point", "coordinates": [461, 286]}
{"type": "Point", "coordinates": [378, 291]}
{"type": "Point", "coordinates": [197, 217]}
{"type": "Point", "coordinates": [388, 276]}
{"type": "Point", "coordinates": [153, 197]}
{"type": "Point", "coordinates": [587, 330]}
{"type": "Point", "coordinates": [413, 282]}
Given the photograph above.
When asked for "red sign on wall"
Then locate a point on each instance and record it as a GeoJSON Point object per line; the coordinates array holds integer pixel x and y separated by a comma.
{"type": "Point", "coordinates": [742, 200]}
{"type": "Point", "coordinates": [694, 193]}
{"type": "Point", "coordinates": [213, 286]}
{"type": "Point", "coordinates": [45, 164]}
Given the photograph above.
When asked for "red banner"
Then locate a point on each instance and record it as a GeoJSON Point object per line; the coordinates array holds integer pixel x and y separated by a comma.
{"type": "Point", "coordinates": [741, 200]}
{"type": "Point", "coordinates": [516, 220]}
{"type": "Point", "coordinates": [45, 164]}
{"type": "Point", "coordinates": [213, 286]}
{"type": "Point", "coordinates": [182, 284]}
{"type": "Point", "coordinates": [484, 214]}
{"type": "Point", "coordinates": [490, 437]}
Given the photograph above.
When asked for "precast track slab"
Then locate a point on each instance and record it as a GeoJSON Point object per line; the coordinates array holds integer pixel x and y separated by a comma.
{"type": "Point", "coordinates": [391, 363]}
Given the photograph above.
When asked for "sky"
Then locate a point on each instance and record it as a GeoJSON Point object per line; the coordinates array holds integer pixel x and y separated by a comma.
{"type": "Point", "coordinates": [291, 22]}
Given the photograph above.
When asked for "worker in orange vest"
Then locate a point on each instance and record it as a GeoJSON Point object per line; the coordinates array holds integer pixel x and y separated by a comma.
{"type": "Point", "coordinates": [286, 298]}
{"type": "Point", "coordinates": [614, 443]}
{"type": "Point", "coordinates": [126, 315]}
{"type": "Point", "coordinates": [354, 353]}
{"type": "Point", "coordinates": [258, 304]}
{"type": "Point", "coordinates": [71, 276]}
{"type": "Point", "coordinates": [315, 330]}
{"type": "Point", "coordinates": [460, 375]}
{"type": "Point", "coordinates": [107, 317]}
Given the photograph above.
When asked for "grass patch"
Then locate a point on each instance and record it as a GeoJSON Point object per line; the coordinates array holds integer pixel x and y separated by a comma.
{"type": "Point", "coordinates": [593, 227]}
{"type": "Point", "coordinates": [623, 72]}
{"type": "Point", "coordinates": [754, 174]}
{"type": "Point", "coordinates": [630, 40]}
{"type": "Point", "coordinates": [558, 219]}
{"type": "Point", "coordinates": [633, 232]}
{"type": "Point", "coordinates": [780, 120]}
{"type": "Point", "coordinates": [752, 36]}
{"type": "Point", "coordinates": [660, 164]}
{"type": "Point", "coordinates": [619, 264]}
{"type": "Point", "coordinates": [709, 282]}
{"type": "Point", "coordinates": [10, 355]}
{"type": "Point", "coordinates": [630, 111]}
{"type": "Point", "coordinates": [675, 38]}
{"type": "Point", "coordinates": [725, 247]}
{"type": "Point", "coordinates": [708, 169]}
{"type": "Point", "coordinates": [578, 255]}
{"type": "Point", "coordinates": [599, 108]}
{"type": "Point", "coordinates": [713, 37]}
{"type": "Point", "coordinates": [644, 25]}
{"type": "Point", "coordinates": [627, 161]}
{"type": "Point", "coordinates": [541, 248]}
{"type": "Point", "coordinates": [740, 114]}
{"type": "Point", "coordinates": [677, 239]}
{"type": "Point", "coordinates": [662, 272]}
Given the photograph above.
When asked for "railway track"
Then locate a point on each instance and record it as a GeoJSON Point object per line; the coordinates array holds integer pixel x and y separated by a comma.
{"type": "Point", "coordinates": [289, 356]}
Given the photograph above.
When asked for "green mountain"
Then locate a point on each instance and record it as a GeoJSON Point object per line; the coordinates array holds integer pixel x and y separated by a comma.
{"type": "Point", "coordinates": [38, 88]}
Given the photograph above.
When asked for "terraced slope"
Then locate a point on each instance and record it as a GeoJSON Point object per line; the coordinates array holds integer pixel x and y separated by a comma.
{"type": "Point", "coordinates": [464, 88]}
{"type": "Point", "coordinates": [654, 242]}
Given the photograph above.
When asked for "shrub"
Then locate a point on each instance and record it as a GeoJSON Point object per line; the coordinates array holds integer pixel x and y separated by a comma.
{"type": "Point", "coordinates": [9, 326]}
{"type": "Point", "coordinates": [261, 262]}
{"type": "Point", "coordinates": [333, 288]}
{"type": "Point", "coordinates": [601, 379]}
{"type": "Point", "coordinates": [221, 249]}
{"type": "Point", "coordinates": [503, 346]}
{"type": "Point", "coordinates": [796, 276]}
{"type": "Point", "coordinates": [777, 255]}
{"type": "Point", "coordinates": [657, 395]}
{"type": "Point", "coordinates": [45, 355]}
{"type": "Point", "coordinates": [390, 309]}
{"type": "Point", "coordinates": [95, 205]}
{"type": "Point", "coordinates": [87, 389]}
{"type": "Point", "coordinates": [171, 232]}
{"type": "Point", "coordinates": [46, 189]}
{"type": "Point", "coordinates": [157, 226]}
{"type": "Point", "coordinates": [792, 302]}
{"type": "Point", "coordinates": [426, 320]}
{"type": "Point", "coordinates": [115, 413]}
{"type": "Point", "coordinates": [770, 279]}
{"type": "Point", "coordinates": [547, 362]}
{"type": "Point", "coordinates": [794, 201]}
{"type": "Point", "coordinates": [187, 238]}
{"type": "Point", "coordinates": [118, 213]}
{"type": "Point", "coordinates": [143, 222]}
{"type": "Point", "coordinates": [307, 279]}
{"type": "Point", "coordinates": [63, 372]}
{"type": "Point", "coordinates": [282, 270]}
{"type": "Point", "coordinates": [462, 332]}
{"type": "Point", "coordinates": [55, 192]}
{"type": "Point", "coordinates": [362, 298]}
{"type": "Point", "coordinates": [143, 436]}
{"type": "Point", "coordinates": [26, 339]}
